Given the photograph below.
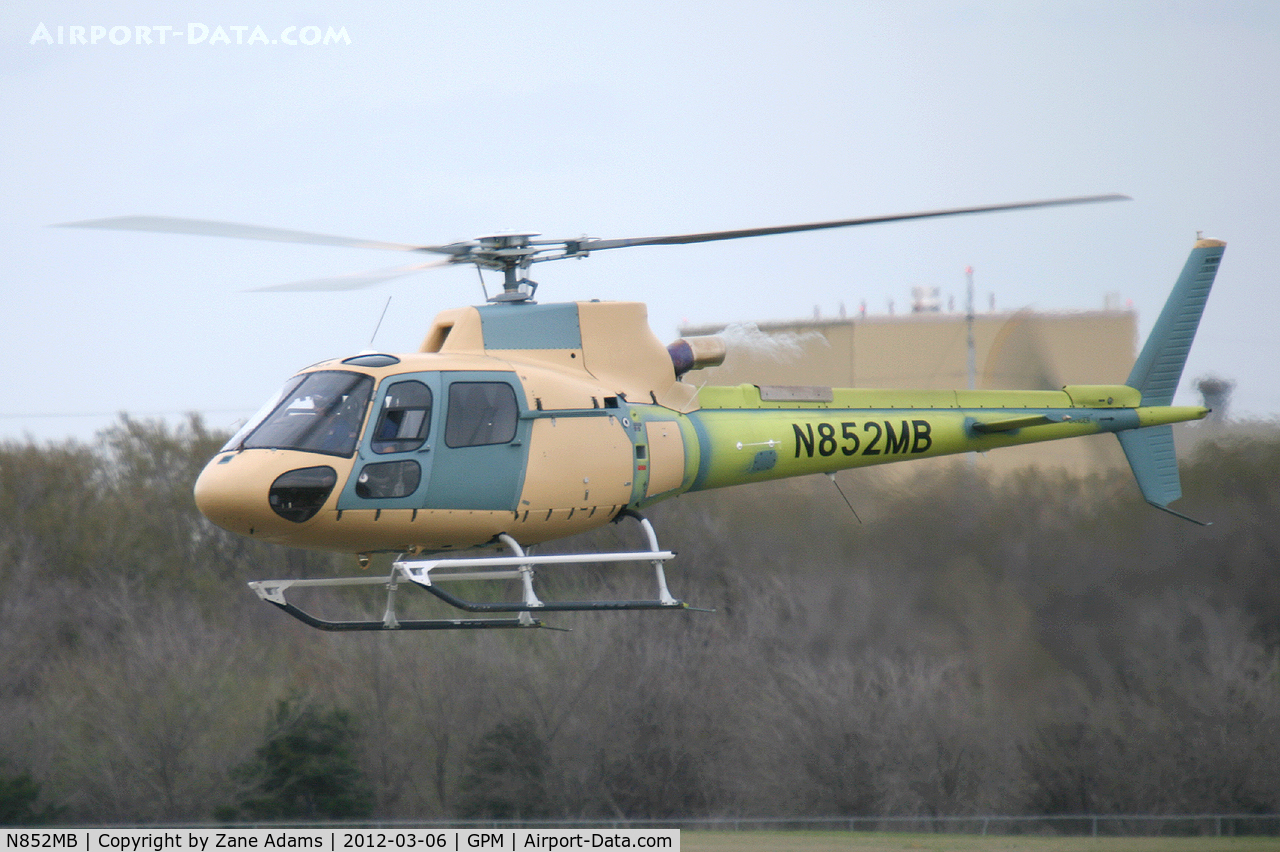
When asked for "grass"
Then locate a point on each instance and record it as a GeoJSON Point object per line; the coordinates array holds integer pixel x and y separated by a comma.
{"type": "Point", "coordinates": [876, 841]}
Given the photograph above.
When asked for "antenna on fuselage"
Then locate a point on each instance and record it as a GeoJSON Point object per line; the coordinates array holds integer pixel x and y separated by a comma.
{"type": "Point", "coordinates": [376, 328]}
{"type": "Point", "coordinates": [832, 477]}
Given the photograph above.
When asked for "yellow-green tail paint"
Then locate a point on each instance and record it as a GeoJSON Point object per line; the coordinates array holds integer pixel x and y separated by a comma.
{"type": "Point", "coordinates": [751, 433]}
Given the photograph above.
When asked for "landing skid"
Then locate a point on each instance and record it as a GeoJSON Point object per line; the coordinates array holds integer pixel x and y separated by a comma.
{"type": "Point", "coordinates": [430, 573]}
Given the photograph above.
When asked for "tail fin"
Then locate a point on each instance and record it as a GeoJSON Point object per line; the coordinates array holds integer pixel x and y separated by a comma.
{"type": "Point", "coordinates": [1154, 463]}
{"type": "Point", "coordinates": [1158, 370]}
{"type": "Point", "coordinates": [1159, 367]}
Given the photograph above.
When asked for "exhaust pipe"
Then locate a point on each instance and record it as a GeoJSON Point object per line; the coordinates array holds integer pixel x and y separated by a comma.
{"type": "Point", "coordinates": [694, 353]}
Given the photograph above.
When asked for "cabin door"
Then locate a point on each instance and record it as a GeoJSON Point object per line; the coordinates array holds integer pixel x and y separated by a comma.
{"type": "Point", "coordinates": [482, 444]}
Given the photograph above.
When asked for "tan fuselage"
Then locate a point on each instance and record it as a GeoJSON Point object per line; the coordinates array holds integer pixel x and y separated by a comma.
{"type": "Point", "coordinates": [578, 453]}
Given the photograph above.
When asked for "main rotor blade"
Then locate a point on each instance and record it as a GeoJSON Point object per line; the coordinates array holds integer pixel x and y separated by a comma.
{"type": "Point", "coordinates": [353, 280]}
{"type": "Point", "coordinates": [679, 239]}
{"type": "Point", "coordinates": [210, 228]}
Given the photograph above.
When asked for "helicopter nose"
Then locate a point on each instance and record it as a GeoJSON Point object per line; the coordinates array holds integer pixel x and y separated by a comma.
{"type": "Point", "coordinates": [266, 494]}
{"type": "Point", "coordinates": [225, 497]}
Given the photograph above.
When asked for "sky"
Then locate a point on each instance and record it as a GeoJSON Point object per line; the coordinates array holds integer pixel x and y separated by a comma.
{"type": "Point", "coordinates": [433, 122]}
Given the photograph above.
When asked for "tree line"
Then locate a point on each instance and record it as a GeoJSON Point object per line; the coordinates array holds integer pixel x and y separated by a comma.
{"type": "Point", "coordinates": [1032, 643]}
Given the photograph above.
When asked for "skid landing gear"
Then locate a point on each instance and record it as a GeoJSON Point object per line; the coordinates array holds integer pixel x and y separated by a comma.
{"type": "Point", "coordinates": [429, 573]}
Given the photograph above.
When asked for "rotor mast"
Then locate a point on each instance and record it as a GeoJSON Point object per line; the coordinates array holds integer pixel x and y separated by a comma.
{"type": "Point", "coordinates": [511, 254]}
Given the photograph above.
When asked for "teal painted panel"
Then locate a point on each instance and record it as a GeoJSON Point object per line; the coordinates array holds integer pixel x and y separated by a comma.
{"type": "Point", "coordinates": [525, 326]}
{"type": "Point", "coordinates": [485, 476]}
{"type": "Point", "coordinates": [1154, 462]}
{"type": "Point", "coordinates": [1159, 366]}
{"type": "Point", "coordinates": [364, 489]}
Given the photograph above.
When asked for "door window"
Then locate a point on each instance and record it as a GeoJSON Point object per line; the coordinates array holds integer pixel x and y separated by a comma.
{"type": "Point", "coordinates": [480, 413]}
{"type": "Point", "coordinates": [388, 480]}
{"type": "Point", "coordinates": [405, 418]}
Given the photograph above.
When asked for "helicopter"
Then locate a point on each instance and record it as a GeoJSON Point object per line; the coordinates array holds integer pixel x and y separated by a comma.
{"type": "Point", "coordinates": [518, 423]}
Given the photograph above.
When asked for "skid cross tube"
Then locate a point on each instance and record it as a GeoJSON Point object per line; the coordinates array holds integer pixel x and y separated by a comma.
{"type": "Point", "coordinates": [420, 572]}
{"type": "Point", "coordinates": [520, 565]}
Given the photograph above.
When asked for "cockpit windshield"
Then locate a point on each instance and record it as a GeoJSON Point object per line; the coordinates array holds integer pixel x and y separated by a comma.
{"type": "Point", "coordinates": [318, 412]}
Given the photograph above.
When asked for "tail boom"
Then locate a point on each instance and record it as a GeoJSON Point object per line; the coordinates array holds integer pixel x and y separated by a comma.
{"type": "Point", "coordinates": [739, 438]}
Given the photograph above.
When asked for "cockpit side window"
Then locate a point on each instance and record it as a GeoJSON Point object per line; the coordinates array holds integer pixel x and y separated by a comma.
{"type": "Point", "coordinates": [480, 413]}
{"type": "Point", "coordinates": [405, 418]}
{"type": "Point", "coordinates": [321, 414]}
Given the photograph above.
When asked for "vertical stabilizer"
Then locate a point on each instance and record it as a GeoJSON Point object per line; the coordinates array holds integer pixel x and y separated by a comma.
{"type": "Point", "coordinates": [1158, 370]}
{"type": "Point", "coordinates": [1159, 367]}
